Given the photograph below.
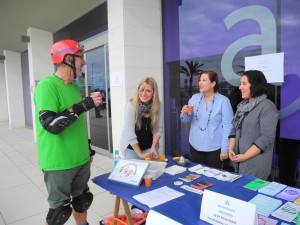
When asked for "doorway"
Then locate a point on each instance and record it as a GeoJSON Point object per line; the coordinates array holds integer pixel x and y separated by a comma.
{"type": "Point", "coordinates": [96, 78]}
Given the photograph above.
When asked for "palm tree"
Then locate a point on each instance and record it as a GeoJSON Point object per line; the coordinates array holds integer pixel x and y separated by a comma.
{"type": "Point", "coordinates": [192, 68]}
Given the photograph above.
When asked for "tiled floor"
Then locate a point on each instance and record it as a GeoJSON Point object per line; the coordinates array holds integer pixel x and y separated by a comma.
{"type": "Point", "coordinates": [23, 198]}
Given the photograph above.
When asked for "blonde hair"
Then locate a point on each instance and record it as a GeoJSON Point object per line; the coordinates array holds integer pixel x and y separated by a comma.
{"type": "Point", "coordinates": [154, 101]}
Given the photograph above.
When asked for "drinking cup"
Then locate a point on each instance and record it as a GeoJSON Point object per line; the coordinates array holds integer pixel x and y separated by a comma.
{"type": "Point", "coordinates": [148, 180]}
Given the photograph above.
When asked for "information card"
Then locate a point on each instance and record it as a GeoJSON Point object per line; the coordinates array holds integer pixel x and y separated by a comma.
{"type": "Point", "coordinates": [221, 209]}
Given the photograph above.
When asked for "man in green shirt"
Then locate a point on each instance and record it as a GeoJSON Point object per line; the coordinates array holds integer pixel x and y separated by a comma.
{"type": "Point", "coordinates": [63, 148]}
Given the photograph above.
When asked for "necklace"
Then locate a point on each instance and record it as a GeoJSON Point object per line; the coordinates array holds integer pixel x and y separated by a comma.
{"type": "Point", "coordinates": [145, 122]}
{"type": "Point", "coordinates": [211, 108]}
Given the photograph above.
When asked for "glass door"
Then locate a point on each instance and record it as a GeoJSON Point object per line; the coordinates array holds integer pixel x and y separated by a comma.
{"type": "Point", "coordinates": [96, 78]}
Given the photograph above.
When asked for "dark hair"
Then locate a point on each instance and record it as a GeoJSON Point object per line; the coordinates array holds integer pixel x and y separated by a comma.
{"type": "Point", "coordinates": [258, 82]}
{"type": "Point", "coordinates": [213, 77]}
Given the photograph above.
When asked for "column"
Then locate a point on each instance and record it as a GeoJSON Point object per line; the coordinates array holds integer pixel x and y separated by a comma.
{"type": "Point", "coordinates": [14, 89]}
{"type": "Point", "coordinates": [40, 64]}
{"type": "Point", "coordinates": [135, 51]}
{"type": "Point", "coordinates": [3, 102]}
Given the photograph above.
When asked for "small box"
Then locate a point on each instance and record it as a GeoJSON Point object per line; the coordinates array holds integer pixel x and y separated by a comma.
{"type": "Point", "coordinates": [156, 169]}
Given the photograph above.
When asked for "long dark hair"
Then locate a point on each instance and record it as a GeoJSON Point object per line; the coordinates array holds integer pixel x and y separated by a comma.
{"type": "Point", "coordinates": [258, 82]}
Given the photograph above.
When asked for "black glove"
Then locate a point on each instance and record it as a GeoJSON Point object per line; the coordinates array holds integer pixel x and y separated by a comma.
{"type": "Point", "coordinates": [92, 152]}
{"type": "Point", "coordinates": [85, 105]}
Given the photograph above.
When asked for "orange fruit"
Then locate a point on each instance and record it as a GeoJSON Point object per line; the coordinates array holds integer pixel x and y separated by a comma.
{"type": "Point", "coordinates": [161, 158]}
{"type": "Point", "coordinates": [147, 158]}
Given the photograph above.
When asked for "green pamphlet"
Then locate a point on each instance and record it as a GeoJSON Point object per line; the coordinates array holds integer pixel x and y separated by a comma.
{"type": "Point", "coordinates": [256, 184]}
{"type": "Point", "coordinates": [298, 219]}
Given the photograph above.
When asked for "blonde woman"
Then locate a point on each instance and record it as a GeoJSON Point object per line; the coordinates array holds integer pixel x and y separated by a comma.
{"type": "Point", "coordinates": [143, 123]}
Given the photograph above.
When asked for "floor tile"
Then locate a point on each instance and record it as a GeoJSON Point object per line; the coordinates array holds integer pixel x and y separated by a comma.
{"type": "Point", "coordinates": [5, 162]}
{"type": "Point", "coordinates": [12, 177]}
{"type": "Point", "coordinates": [22, 202]}
{"type": "Point", "coordinates": [23, 195]}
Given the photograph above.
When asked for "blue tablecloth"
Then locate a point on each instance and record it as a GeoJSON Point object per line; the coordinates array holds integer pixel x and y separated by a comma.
{"type": "Point", "coordinates": [185, 209]}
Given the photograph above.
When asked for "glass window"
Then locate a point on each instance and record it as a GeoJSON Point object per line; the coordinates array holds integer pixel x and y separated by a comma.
{"type": "Point", "coordinates": [218, 35]}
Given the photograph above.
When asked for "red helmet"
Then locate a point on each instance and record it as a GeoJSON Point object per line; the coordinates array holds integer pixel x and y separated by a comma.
{"type": "Point", "coordinates": [64, 47]}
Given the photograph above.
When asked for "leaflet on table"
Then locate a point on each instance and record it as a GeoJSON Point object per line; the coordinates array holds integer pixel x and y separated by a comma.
{"type": "Point", "coordinates": [202, 184]}
{"type": "Point", "coordinates": [272, 188]}
{"type": "Point", "coordinates": [256, 184]}
{"type": "Point", "coordinates": [265, 205]}
{"type": "Point", "coordinates": [218, 174]}
{"type": "Point", "coordinates": [158, 196]}
{"type": "Point", "coordinates": [297, 201]}
{"type": "Point", "coordinates": [262, 220]}
{"type": "Point", "coordinates": [287, 212]}
{"type": "Point", "coordinates": [289, 194]}
{"type": "Point", "coordinates": [175, 169]}
{"type": "Point", "coordinates": [189, 177]}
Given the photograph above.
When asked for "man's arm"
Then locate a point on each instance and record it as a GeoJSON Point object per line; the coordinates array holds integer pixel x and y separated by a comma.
{"type": "Point", "coordinates": [55, 123]}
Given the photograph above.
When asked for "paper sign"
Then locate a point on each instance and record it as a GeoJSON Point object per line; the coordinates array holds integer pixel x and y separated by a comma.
{"type": "Point", "coordinates": [154, 218]}
{"type": "Point", "coordinates": [221, 209]}
{"type": "Point", "coordinates": [116, 79]}
{"type": "Point", "coordinates": [271, 65]}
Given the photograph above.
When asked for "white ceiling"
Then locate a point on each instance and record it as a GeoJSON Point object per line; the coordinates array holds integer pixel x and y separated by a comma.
{"type": "Point", "coordinates": [49, 15]}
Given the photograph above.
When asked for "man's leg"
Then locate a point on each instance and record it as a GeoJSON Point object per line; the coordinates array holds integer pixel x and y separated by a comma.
{"type": "Point", "coordinates": [80, 218]}
{"type": "Point", "coordinates": [83, 197]}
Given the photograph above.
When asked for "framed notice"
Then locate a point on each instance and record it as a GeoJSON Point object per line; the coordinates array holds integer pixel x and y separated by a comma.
{"type": "Point", "coordinates": [129, 171]}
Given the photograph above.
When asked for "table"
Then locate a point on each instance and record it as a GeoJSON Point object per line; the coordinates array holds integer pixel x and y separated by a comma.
{"type": "Point", "coordinates": [185, 209]}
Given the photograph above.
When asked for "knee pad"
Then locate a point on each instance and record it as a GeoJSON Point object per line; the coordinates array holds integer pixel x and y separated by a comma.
{"type": "Point", "coordinates": [59, 215]}
{"type": "Point", "coordinates": [82, 202]}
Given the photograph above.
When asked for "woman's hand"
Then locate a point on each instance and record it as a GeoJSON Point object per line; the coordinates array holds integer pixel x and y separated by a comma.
{"type": "Point", "coordinates": [153, 153]}
{"type": "Point", "coordinates": [143, 155]}
{"type": "Point", "coordinates": [184, 110]}
{"type": "Point", "coordinates": [223, 155]}
{"type": "Point", "coordinates": [231, 155]}
{"type": "Point", "coordinates": [238, 158]}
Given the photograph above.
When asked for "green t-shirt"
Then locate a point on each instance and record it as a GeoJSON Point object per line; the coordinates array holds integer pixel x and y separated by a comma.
{"type": "Point", "coordinates": [69, 148]}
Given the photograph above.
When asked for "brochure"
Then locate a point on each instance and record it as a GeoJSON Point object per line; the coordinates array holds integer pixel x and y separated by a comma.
{"type": "Point", "coordinates": [210, 172]}
{"type": "Point", "coordinates": [297, 201]}
{"type": "Point", "coordinates": [256, 184]}
{"type": "Point", "coordinates": [189, 177]}
{"type": "Point", "coordinates": [218, 174]}
{"type": "Point", "coordinates": [201, 185]}
{"type": "Point", "coordinates": [265, 205]}
{"type": "Point", "coordinates": [196, 169]}
{"type": "Point", "coordinates": [175, 169]}
{"type": "Point", "coordinates": [226, 176]}
{"type": "Point", "coordinates": [287, 212]}
{"type": "Point", "coordinates": [272, 188]}
{"type": "Point", "coordinates": [289, 194]}
{"type": "Point", "coordinates": [262, 220]}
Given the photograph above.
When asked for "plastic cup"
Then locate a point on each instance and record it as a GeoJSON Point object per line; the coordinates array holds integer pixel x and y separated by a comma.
{"type": "Point", "coordinates": [148, 180]}
{"type": "Point", "coordinates": [190, 108]}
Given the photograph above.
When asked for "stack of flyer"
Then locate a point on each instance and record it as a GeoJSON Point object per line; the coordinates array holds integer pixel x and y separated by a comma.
{"type": "Point", "coordinates": [218, 174]}
{"type": "Point", "coordinates": [175, 169]}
